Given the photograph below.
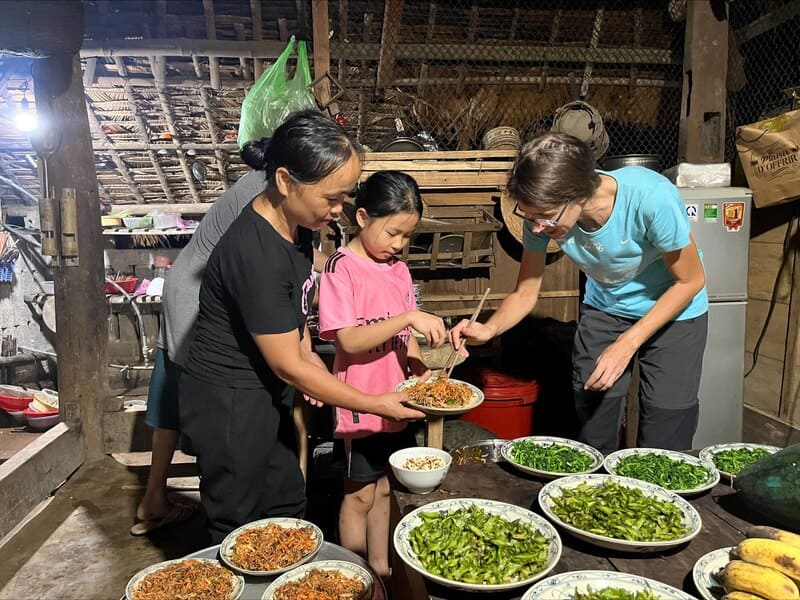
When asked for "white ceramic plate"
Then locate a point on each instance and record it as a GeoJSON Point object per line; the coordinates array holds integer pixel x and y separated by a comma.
{"type": "Point", "coordinates": [477, 398]}
{"type": "Point", "coordinates": [563, 585]}
{"type": "Point", "coordinates": [347, 569]}
{"type": "Point", "coordinates": [509, 512]}
{"type": "Point", "coordinates": [708, 452]}
{"type": "Point", "coordinates": [705, 570]}
{"type": "Point", "coordinates": [226, 548]}
{"type": "Point", "coordinates": [543, 440]}
{"type": "Point", "coordinates": [238, 580]}
{"type": "Point", "coordinates": [612, 461]}
{"type": "Point", "coordinates": [691, 518]}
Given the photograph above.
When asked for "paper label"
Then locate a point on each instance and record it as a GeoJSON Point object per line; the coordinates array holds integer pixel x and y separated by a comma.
{"type": "Point", "coordinates": [710, 212]}
{"type": "Point", "coordinates": [733, 215]}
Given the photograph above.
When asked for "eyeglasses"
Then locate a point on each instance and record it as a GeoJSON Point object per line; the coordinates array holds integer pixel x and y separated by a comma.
{"type": "Point", "coordinates": [550, 223]}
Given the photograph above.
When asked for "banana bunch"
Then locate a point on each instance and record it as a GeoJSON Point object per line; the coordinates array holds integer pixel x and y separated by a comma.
{"type": "Point", "coordinates": [765, 566]}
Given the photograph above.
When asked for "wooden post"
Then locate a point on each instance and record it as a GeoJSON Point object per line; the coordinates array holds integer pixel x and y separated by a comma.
{"type": "Point", "coordinates": [789, 410]}
{"type": "Point", "coordinates": [435, 431]}
{"type": "Point", "coordinates": [82, 341]}
{"type": "Point", "coordinates": [322, 48]}
{"type": "Point", "coordinates": [701, 137]}
{"type": "Point", "coordinates": [390, 35]}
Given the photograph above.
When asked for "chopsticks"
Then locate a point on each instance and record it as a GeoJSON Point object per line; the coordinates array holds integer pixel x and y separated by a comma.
{"type": "Point", "coordinates": [450, 364]}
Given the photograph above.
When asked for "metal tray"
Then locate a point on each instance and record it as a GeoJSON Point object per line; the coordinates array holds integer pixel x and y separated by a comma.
{"type": "Point", "coordinates": [479, 452]}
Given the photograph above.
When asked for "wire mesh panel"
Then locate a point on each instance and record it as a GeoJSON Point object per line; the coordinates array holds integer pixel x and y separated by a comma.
{"type": "Point", "coordinates": [460, 68]}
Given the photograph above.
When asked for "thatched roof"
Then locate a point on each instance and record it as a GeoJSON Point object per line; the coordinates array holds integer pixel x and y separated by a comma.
{"type": "Point", "coordinates": [164, 80]}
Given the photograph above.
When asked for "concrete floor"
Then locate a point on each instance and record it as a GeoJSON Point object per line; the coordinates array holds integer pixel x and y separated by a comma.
{"type": "Point", "coordinates": [78, 546]}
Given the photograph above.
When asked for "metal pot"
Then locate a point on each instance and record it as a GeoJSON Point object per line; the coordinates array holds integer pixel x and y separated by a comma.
{"type": "Point", "coordinates": [401, 143]}
{"type": "Point", "coordinates": [651, 161]}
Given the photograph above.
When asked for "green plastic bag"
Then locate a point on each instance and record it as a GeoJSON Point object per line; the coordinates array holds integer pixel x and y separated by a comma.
{"type": "Point", "coordinates": [274, 96]}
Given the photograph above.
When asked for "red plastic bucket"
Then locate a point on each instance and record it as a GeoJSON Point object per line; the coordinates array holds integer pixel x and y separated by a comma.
{"type": "Point", "coordinates": [507, 408]}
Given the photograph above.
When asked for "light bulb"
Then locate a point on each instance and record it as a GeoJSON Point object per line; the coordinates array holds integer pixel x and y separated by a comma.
{"type": "Point", "coordinates": [25, 121]}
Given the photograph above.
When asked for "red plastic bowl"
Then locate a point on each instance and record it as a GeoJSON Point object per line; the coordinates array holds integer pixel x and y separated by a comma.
{"type": "Point", "coordinates": [129, 285]}
{"type": "Point", "coordinates": [14, 403]}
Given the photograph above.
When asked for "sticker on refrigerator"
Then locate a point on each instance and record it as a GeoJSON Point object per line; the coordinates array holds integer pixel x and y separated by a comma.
{"type": "Point", "coordinates": [733, 215]}
{"type": "Point", "coordinates": [710, 212]}
{"type": "Point", "coordinates": [691, 212]}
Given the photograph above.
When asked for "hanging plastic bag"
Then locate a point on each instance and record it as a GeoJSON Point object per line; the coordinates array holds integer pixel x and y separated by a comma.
{"type": "Point", "coordinates": [264, 106]}
{"type": "Point", "coordinates": [298, 94]}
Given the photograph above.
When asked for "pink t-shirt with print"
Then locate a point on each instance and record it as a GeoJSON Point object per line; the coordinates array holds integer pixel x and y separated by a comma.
{"type": "Point", "coordinates": [355, 291]}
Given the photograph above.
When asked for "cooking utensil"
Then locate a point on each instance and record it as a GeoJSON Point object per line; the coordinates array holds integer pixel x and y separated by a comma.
{"type": "Point", "coordinates": [650, 161]}
{"type": "Point", "coordinates": [451, 361]}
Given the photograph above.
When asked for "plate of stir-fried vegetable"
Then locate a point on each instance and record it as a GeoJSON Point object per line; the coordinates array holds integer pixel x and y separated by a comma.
{"type": "Point", "coordinates": [602, 585]}
{"type": "Point", "coordinates": [198, 578]}
{"type": "Point", "coordinates": [441, 396]}
{"type": "Point", "coordinates": [550, 457]}
{"type": "Point", "coordinates": [271, 546]}
{"type": "Point", "coordinates": [477, 545]}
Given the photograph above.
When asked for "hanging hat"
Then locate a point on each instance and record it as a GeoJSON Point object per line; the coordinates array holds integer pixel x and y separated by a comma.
{"type": "Point", "coordinates": [584, 122]}
{"type": "Point", "coordinates": [515, 223]}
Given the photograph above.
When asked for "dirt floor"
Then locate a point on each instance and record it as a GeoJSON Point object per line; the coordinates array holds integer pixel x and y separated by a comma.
{"type": "Point", "coordinates": [78, 546]}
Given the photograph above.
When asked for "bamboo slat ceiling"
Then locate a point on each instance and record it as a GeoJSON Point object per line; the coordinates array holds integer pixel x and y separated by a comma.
{"type": "Point", "coordinates": [165, 79]}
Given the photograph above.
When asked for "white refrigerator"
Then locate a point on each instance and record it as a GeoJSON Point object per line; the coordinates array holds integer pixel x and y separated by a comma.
{"type": "Point", "coordinates": [720, 224]}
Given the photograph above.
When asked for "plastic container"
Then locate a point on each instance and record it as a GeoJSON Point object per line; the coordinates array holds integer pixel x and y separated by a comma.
{"type": "Point", "coordinates": [508, 405]}
{"type": "Point", "coordinates": [128, 284]}
{"type": "Point", "coordinates": [41, 420]}
{"type": "Point", "coordinates": [138, 222]}
{"type": "Point", "coordinates": [14, 403]}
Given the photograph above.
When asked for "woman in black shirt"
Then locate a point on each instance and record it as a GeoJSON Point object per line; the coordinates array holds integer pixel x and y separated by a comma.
{"type": "Point", "coordinates": [252, 345]}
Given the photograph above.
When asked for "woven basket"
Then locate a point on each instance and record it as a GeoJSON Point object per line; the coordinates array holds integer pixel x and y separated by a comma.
{"type": "Point", "coordinates": [501, 138]}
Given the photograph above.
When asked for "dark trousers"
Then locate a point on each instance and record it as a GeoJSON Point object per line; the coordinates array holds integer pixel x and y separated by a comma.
{"type": "Point", "coordinates": [246, 452]}
{"type": "Point", "coordinates": [670, 365]}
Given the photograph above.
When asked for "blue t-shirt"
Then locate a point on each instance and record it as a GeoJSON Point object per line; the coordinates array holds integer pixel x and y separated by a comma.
{"type": "Point", "coordinates": [622, 260]}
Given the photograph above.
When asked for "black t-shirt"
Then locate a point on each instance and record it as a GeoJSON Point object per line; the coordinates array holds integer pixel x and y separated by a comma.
{"type": "Point", "coordinates": [256, 282]}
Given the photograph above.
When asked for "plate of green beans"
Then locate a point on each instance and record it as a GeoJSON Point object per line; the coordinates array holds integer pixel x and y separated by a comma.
{"type": "Point", "coordinates": [678, 472]}
{"type": "Point", "coordinates": [477, 545]}
{"type": "Point", "coordinates": [732, 458]}
{"type": "Point", "coordinates": [551, 457]}
{"type": "Point", "coordinates": [619, 513]}
{"type": "Point", "coordinates": [602, 585]}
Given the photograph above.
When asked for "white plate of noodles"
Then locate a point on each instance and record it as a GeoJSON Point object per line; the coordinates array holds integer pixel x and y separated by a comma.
{"type": "Point", "coordinates": [440, 396]}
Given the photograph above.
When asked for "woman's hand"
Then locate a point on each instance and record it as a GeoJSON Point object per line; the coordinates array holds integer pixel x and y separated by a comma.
{"type": "Point", "coordinates": [464, 333]}
{"type": "Point", "coordinates": [610, 366]}
{"type": "Point", "coordinates": [390, 406]}
{"type": "Point", "coordinates": [431, 326]}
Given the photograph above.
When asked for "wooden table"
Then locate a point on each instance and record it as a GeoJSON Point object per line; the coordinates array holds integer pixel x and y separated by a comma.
{"type": "Point", "coordinates": [724, 523]}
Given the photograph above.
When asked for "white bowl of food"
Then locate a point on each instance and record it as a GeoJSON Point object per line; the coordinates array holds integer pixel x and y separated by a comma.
{"type": "Point", "coordinates": [477, 545]}
{"type": "Point", "coordinates": [272, 546]}
{"type": "Point", "coordinates": [441, 396]}
{"type": "Point", "coordinates": [421, 469]}
{"type": "Point", "coordinates": [333, 578]}
{"type": "Point", "coordinates": [620, 513]}
{"type": "Point", "coordinates": [168, 579]}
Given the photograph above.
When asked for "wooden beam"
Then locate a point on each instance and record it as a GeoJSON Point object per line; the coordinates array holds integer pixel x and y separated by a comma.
{"type": "Point", "coordinates": [701, 134]}
{"type": "Point", "coordinates": [97, 129]}
{"type": "Point", "coordinates": [211, 34]}
{"type": "Point", "coordinates": [222, 165]}
{"type": "Point", "coordinates": [255, 18]}
{"type": "Point", "coordinates": [555, 29]}
{"type": "Point", "coordinates": [143, 130]}
{"type": "Point", "coordinates": [789, 410]}
{"type": "Point", "coordinates": [43, 28]}
{"type": "Point", "coordinates": [390, 36]}
{"type": "Point", "coordinates": [344, 13]}
{"type": "Point", "coordinates": [81, 309]}
{"type": "Point", "coordinates": [181, 47]}
{"type": "Point", "coordinates": [768, 22]}
{"type": "Point", "coordinates": [638, 13]}
{"type": "Point", "coordinates": [163, 100]}
{"type": "Point", "coordinates": [247, 73]}
{"type": "Point", "coordinates": [89, 72]}
{"type": "Point", "coordinates": [322, 48]}
{"type": "Point", "coordinates": [7, 172]}
{"type": "Point", "coordinates": [105, 144]}
{"type": "Point", "coordinates": [474, 14]}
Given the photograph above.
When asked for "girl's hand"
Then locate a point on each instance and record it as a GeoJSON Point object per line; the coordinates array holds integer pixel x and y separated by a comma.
{"type": "Point", "coordinates": [610, 366]}
{"type": "Point", "coordinates": [431, 326]}
{"type": "Point", "coordinates": [390, 406]}
{"type": "Point", "coordinates": [464, 333]}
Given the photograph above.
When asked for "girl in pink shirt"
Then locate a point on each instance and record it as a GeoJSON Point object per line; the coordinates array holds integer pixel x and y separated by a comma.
{"type": "Point", "coordinates": [367, 307]}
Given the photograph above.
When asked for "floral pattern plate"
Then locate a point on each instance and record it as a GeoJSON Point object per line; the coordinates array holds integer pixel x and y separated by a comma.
{"type": "Point", "coordinates": [613, 459]}
{"type": "Point", "coordinates": [543, 440]}
{"type": "Point", "coordinates": [564, 585]}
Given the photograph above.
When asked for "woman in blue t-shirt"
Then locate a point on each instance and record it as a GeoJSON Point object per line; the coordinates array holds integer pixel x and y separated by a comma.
{"type": "Point", "coordinates": [645, 291]}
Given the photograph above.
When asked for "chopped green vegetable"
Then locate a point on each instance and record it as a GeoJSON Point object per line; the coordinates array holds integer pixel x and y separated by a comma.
{"type": "Point", "coordinates": [474, 546]}
{"type": "Point", "coordinates": [662, 470]}
{"type": "Point", "coordinates": [611, 593]}
{"type": "Point", "coordinates": [554, 458]}
{"type": "Point", "coordinates": [734, 460]}
{"type": "Point", "coordinates": [619, 512]}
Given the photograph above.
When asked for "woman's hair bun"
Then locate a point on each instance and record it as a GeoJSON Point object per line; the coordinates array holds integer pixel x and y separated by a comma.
{"type": "Point", "coordinates": [254, 154]}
